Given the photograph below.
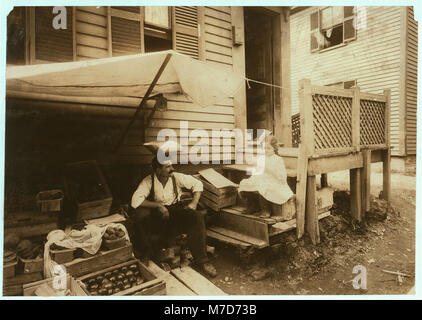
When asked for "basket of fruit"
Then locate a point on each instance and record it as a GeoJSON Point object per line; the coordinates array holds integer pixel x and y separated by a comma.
{"type": "Point", "coordinates": [128, 278]}
{"type": "Point", "coordinates": [114, 237]}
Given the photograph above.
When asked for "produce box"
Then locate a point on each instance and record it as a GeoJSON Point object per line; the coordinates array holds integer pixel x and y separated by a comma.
{"type": "Point", "coordinates": [61, 255]}
{"type": "Point", "coordinates": [14, 286]}
{"type": "Point", "coordinates": [9, 269]}
{"type": "Point", "coordinates": [30, 223]}
{"type": "Point", "coordinates": [219, 192]}
{"type": "Point", "coordinates": [102, 260]}
{"type": "Point", "coordinates": [87, 190]}
{"type": "Point", "coordinates": [31, 265]}
{"type": "Point", "coordinates": [45, 288]}
{"type": "Point", "coordinates": [50, 200]}
{"type": "Point", "coordinates": [128, 278]}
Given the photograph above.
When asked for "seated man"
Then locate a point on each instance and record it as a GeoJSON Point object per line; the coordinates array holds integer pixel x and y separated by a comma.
{"type": "Point", "coordinates": [157, 207]}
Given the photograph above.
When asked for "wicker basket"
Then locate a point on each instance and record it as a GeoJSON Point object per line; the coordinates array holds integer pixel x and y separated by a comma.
{"type": "Point", "coordinates": [50, 205]}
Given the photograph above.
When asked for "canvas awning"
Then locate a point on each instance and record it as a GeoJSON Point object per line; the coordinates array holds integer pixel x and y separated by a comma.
{"type": "Point", "coordinates": [126, 76]}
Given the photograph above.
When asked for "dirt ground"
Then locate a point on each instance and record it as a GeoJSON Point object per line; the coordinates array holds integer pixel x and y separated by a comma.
{"type": "Point", "coordinates": [382, 242]}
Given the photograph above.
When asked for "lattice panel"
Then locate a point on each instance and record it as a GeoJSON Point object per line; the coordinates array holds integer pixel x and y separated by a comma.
{"type": "Point", "coordinates": [372, 122]}
{"type": "Point", "coordinates": [296, 130]}
{"type": "Point", "coordinates": [332, 122]}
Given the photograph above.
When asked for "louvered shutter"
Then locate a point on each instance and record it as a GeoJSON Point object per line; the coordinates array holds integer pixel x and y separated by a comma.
{"type": "Point", "coordinates": [51, 44]}
{"type": "Point", "coordinates": [126, 33]}
{"type": "Point", "coordinates": [185, 31]}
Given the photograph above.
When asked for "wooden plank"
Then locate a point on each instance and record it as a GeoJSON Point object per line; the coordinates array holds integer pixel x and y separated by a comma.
{"type": "Point", "coordinates": [96, 19]}
{"type": "Point", "coordinates": [337, 163]}
{"type": "Point", "coordinates": [311, 218]}
{"type": "Point", "coordinates": [196, 282]}
{"type": "Point", "coordinates": [356, 119]}
{"type": "Point", "coordinates": [96, 10]}
{"type": "Point", "coordinates": [125, 14]}
{"type": "Point", "coordinates": [355, 194]}
{"type": "Point", "coordinates": [216, 179]}
{"type": "Point", "coordinates": [92, 41]}
{"type": "Point", "coordinates": [332, 91]}
{"type": "Point", "coordinates": [243, 225]}
{"type": "Point", "coordinates": [257, 243]}
{"type": "Point", "coordinates": [91, 52]}
{"type": "Point", "coordinates": [235, 210]}
{"type": "Point", "coordinates": [173, 286]}
{"type": "Point", "coordinates": [33, 230]}
{"type": "Point", "coordinates": [227, 240]}
{"type": "Point", "coordinates": [291, 224]}
{"type": "Point", "coordinates": [372, 97]}
{"type": "Point", "coordinates": [91, 29]}
{"type": "Point", "coordinates": [102, 260]}
{"type": "Point", "coordinates": [366, 181]}
{"type": "Point", "coordinates": [386, 174]}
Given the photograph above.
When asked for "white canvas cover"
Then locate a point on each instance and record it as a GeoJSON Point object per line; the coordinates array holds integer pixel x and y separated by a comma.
{"type": "Point", "coordinates": [127, 76]}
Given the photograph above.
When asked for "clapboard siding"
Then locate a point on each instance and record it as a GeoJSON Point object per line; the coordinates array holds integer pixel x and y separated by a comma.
{"type": "Point", "coordinates": [411, 81]}
{"type": "Point", "coordinates": [218, 36]}
{"type": "Point", "coordinates": [91, 33]}
{"type": "Point", "coordinates": [373, 60]}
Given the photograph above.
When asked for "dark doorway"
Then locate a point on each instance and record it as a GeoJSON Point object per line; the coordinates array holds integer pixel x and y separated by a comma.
{"type": "Point", "coordinates": [259, 66]}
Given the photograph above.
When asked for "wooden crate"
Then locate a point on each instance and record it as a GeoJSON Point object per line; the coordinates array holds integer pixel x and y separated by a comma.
{"type": "Point", "coordinates": [103, 259]}
{"type": "Point", "coordinates": [14, 286]}
{"type": "Point", "coordinates": [90, 209]}
{"type": "Point", "coordinates": [31, 265]}
{"type": "Point", "coordinates": [76, 290]}
{"type": "Point", "coordinates": [217, 198]}
{"type": "Point", "coordinates": [153, 285]}
{"type": "Point", "coordinates": [30, 223]}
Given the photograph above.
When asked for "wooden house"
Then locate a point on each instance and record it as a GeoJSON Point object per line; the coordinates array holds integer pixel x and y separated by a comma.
{"type": "Point", "coordinates": [56, 129]}
{"type": "Point", "coordinates": [374, 48]}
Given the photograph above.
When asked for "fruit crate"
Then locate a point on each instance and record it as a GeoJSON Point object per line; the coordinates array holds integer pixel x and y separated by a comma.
{"type": "Point", "coordinates": [74, 287]}
{"type": "Point", "coordinates": [93, 283]}
{"type": "Point", "coordinates": [62, 255]}
{"type": "Point", "coordinates": [50, 200]}
{"type": "Point", "coordinates": [9, 269]}
{"type": "Point", "coordinates": [31, 265]}
{"type": "Point", "coordinates": [87, 190]}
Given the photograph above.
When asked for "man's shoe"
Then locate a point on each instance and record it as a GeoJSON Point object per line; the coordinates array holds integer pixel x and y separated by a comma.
{"type": "Point", "coordinates": [209, 269]}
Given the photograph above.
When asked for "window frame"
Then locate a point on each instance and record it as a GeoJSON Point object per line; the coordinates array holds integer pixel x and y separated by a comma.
{"type": "Point", "coordinates": [317, 32]}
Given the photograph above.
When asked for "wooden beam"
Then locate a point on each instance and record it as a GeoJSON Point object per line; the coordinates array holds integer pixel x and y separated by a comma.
{"type": "Point", "coordinates": [238, 54]}
{"type": "Point", "coordinates": [306, 148]}
{"type": "Point", "coordinates": [109, 36]}
{"type": "Point", "coordinates": [332, 164]}
{"type": "Point", "coordinates": [386, 175]}
{"type": "Point", "coordinates": [355, 194]}
{"type": "Point", "coordinates": [387, 94]}
{"type": "Point", "coordinates": [144, 99]}
{"type": "Point", "coordinates": [366, 181]}
{"type": "Point", "coordinates": [312, 226]}
{"type": "Point", "coordinates": [356, 119]}
{"type": "Point", "coordinates": [286, 123]}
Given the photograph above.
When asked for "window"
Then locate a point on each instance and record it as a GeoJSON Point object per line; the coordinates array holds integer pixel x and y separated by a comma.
{"type": "Point", "coordinates": [344, 84]}
{"type": "Point", "coordinates": [101, 32]}
{"type": "Point", "coordinates": [16, 36]}
{"type": "Point", "coordinates": [332, 26]}
{"type": "Point", "coordinates": [157, 28]}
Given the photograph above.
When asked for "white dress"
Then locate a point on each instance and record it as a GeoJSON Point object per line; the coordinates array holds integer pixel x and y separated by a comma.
{"type": "Point", "coordinates": [272, 183]}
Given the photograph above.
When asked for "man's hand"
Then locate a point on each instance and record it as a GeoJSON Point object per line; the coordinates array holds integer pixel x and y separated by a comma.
{"type": "Point", "coordinates": [164, 212]}
{"type": "Point", "coordinates": [192, 205]}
